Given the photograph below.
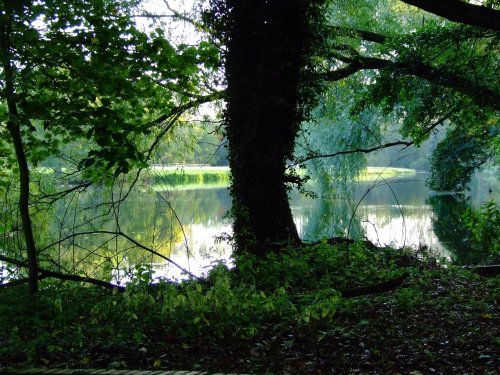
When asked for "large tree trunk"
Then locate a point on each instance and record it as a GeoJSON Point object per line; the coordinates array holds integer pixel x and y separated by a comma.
{"type": "Point", "coordinates": [13, 126]}
{"type": "Point", "coordinates": [263, 64]}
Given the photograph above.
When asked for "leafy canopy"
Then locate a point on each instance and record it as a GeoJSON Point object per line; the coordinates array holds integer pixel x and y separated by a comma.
{"type": "Point", "coordinates": [407, 67]}
{"type": "Point", "coordinates": [83, 70]}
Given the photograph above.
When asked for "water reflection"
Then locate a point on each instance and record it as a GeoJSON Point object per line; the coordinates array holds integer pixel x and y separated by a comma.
{"type": "Point", "coordinates": [184, 225]}
{"type": "Point", "coordinates": [449, 226]}
{"type": "Point", "coordinates": [390, 213]}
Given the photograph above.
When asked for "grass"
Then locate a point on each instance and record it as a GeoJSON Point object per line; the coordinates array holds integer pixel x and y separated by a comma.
{"type": "Point", "coordinates": [212, 177]}
{"type": "Point", "coordinates": [188, 177]}
{"type": "Point", "coordinates": [195, 177]}
{"type": "Point", "coordinates": [374, 173]}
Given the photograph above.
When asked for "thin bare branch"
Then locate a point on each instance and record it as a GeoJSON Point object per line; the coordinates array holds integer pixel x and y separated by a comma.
{"type": "Point", "coordinates": [136, 243]}
{"type": "Point", "coordinates": [355, 151]}
{"type": "Point", "coordinates": [375, 148]}
{"type": "Point", "coordinates": [183, 17]}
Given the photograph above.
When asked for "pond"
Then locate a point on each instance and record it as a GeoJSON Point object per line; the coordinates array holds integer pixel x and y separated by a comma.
{"type": "Point", "coordinates": [401, 213]}
{"type": "Point", "coordinates": [190, 227]}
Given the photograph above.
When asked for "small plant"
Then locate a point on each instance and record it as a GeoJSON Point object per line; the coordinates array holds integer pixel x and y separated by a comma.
{"type": "Point", "coordinates": [484, 225]}
{"type": "Point", "coordinates": [408, 298]}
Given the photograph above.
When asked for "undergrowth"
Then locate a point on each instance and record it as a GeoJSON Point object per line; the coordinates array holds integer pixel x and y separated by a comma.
{"type": "Point", "coordinates": [291, 294]}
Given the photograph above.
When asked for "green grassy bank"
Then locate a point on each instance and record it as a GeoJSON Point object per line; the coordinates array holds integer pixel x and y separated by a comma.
{"type": "Point", "coordinates": [374, 173]}
{"type": "Point", "coordinates": [196, 177]}
{"type": "Point", "coordinates": [187, 177]}
{"type": "Point", "coordinates": [199, 177]}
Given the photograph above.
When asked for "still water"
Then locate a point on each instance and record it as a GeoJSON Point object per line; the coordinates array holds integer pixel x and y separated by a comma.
{"type": "Point", "coordinates": [190, 227]}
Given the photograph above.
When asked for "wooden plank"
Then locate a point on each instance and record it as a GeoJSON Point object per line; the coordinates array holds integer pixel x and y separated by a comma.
{"type": "Point", "coordinates": [59, 371]}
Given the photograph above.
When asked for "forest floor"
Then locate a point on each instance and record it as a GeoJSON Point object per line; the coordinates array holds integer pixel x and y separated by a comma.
{"type": "Point", "coordinates": [277, 316]}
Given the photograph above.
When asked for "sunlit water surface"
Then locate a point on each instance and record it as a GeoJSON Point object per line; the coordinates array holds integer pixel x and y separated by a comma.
{"type": "Point", "coordinates": [401, 213]}
{"type": "Point", "coordinates": [191, 228]}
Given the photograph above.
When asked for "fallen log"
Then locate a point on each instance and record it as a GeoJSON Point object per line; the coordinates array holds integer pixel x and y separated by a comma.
{"type": "Point", "coordinates": [486, 271]}
{"type": "Point", "coordinates": [384, 286]}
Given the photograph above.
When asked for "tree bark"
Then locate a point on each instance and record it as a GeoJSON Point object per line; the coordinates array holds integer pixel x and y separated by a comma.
{"type": "Point", "coordinates": [263, 65]}
{"type": "Point", "coordinates": [14, 129]}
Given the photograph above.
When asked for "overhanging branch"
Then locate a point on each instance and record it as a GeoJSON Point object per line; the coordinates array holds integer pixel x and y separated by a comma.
{"type": "Point", "coordinates": [376, 148]}
{"type": "Point", "coordinates": [483, 96]}
{"type": "Point", "coordinates": [460, 11]}
{"type": "Point", "coordinates": [369, 36]}
{"type": "Point", "coordinates": [356, 151]}
{"type": "Point", "coordinates": [44, 274]}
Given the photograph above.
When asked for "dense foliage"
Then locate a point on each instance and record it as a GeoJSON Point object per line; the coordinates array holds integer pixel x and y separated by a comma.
{"type": "Point", "coordinates": [485, 227]}
{"type": "Point", "coordinates": [398, 69]}
{"type": "Point", "coordinates": [81, 82]}
{"type": "Point", "coordinates": [278, 315]}
{"type": "Point", "coordinates": [84, 71]}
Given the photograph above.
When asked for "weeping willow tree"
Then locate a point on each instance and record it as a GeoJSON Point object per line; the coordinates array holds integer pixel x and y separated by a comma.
{"type": "Point", "coordinates": [398, 67]}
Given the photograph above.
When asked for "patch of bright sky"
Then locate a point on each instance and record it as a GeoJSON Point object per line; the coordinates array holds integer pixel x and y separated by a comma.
{"type": "Point", "coordinates": [163, 16]}
{"type": "Point", "coordinates": [154, 14]}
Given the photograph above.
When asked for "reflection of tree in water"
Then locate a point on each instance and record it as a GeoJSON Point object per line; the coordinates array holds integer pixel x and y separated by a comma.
{"type": "Point", "coordinates": [450, 228]}
{"type": "Point", "coordinates": [326, 217]}
{"type": "Point", "coordinates": [157, 220]}
{"type": "Point", "coordinates": [164, 217]}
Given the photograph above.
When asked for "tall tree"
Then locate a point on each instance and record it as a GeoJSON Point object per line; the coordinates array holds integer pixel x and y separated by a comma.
{"type": "Point", "coordinates": [269, 68]}
{"type": "Point", "coordinates": [419, 77]}
{"type": "Point", "coordinates": [14, 123]}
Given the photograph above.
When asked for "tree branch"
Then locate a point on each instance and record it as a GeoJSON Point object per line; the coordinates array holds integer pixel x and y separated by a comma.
{"type": "Point", "coordinates": [19, 263]}
{"type": "Point", "coordinates": [482, 95]}
{"type": "Point", "coordinates": [369, 36]}
{"type": "Point", "coordinates": [43, 274]}
{"type": "Point", "coordinates": [82, 279]}
{"type": "Point", "coordinates": [183, 17]}
{"type": "Point", "coordinates": [356, 150]}
{"type": "Point", "coordinates": [54, 197]}
{"type": "Point", "coordinates": [462, 12]}
{"type": "Point", "coordinates": [376, 148]}
{"type": "Point", "coordinates": [172, 117]}
{"type": "Point", "coordinates": [182, 108]}
{"type": "Point", "coordinates": [360, 63]}
{"type": "Point", "coordinates": [15, 283]}
{"type": "Point", "coordinates": [136, 243]}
